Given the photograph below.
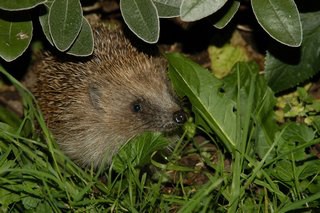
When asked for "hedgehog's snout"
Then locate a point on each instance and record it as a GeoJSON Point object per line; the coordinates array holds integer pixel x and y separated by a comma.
{"type": "Point", "coordinates": [180, 117]}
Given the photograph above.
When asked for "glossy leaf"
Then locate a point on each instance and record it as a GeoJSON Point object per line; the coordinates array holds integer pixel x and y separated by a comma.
{"type": "Point", "coordinates": [14, 5]}
{"type": "Point", "coordinates": [83, 46]}
{"type": "Point", "coordinates": [228, 15]}
{"type": "Point", "coordinates": [194, 10]}
{"type": "Point", "coordinates": [65, 20]}
{"type": "Point", "coordinates": [287, 67]}
{"type": "Point", "coordinates": [168, 8]}
{"type": "Point", "coordinates": [141, 16]}
{"type": "Point", "coordinates": [15, 37]}
{"type": "Point", "coordinates": [280, 19]}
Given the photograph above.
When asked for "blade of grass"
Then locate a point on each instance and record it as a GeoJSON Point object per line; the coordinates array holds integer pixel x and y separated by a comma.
{"type": "Point", "coordinates": [242, 138]}
{"type": "Point", "coordinates": [300, 203]}
{"type": "Point", "coordinates": [201, 195]}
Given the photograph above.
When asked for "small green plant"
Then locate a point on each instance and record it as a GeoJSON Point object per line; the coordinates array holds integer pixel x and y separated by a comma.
{"type": "Point", "coordinates": [269, 163]}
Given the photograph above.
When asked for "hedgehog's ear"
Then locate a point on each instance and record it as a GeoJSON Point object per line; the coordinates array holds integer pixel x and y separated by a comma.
{"type": "Point", "coordinates": [95, 96]}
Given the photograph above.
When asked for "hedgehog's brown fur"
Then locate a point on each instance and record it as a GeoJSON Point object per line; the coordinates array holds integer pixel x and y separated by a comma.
{"type": "Point", "coordinates": [90, 105]}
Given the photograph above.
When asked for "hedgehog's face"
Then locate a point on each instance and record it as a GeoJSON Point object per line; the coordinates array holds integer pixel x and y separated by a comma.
{"type": "Point", "coordinates": [155, 115]}
{"type": "Point", "coordinates": [133, 108]}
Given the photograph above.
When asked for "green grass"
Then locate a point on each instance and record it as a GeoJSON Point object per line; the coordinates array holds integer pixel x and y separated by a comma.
{"type": "Point", "coordinates": [259, 166]}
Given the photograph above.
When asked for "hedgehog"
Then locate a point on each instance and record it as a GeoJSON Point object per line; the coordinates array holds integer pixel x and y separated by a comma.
{"type": "Point", "coordinates": [94, 105]}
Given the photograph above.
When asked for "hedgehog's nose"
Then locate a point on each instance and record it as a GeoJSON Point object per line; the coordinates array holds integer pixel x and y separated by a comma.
{"type": "Point", "coordinates": [180, 117]}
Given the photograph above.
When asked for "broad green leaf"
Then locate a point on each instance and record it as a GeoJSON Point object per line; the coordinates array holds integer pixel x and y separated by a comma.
{"type": "Point", "coordinates": [138, 151]}
{"type": "Point", "coordinates": [65, 20]}
{"type": "Point", "coordinates": [15, 37]}
{"type": "Point", "coordinates": [192, 10]}
{"type": "Point", "coordinates": [228, 15]}
{"type": "Point", "coordinates": [294, 135]}
{"type": "Point", "coordinates": [280, 19]}
{"type": "Point", "coordinates": [287, 67]}
{"type": "Point", "coordinates": [141, 16]}
{"type": "Point", "coordinates": [204, 92]}
{"type": "Point", "coordinates": [83, 45]}
{"type": "Point", "coordinates": [44, 21]}
{"type": "Point", "coordinates": [298, 133]}
{"type": "Point", "coordinates": [168, 8]}
{"type": "Point", "coordinates": [14, 5]}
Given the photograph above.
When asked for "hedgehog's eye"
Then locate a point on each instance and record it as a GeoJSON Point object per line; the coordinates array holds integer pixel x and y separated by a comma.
{"type": "Point", "coordinates": [136, 107]}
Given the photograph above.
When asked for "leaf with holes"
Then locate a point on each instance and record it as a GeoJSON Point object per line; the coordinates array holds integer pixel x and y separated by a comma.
{"type": "Point", "coordinates": [212, 108]}
{"type": "Point", "coordinates": [15, 37]}
{"type": "Point", "coordinates": [255, 103]}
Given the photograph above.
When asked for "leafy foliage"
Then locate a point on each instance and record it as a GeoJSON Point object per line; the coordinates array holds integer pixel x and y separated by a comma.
{"type": "Point", "coordinates": [142, 17]}
{"type": "Point", "coordinates": [65, 28]}
{"type": "Point", "coordinates": [273, 16]}
{"type": "Point", "coordinates": [256, 133]}
{"type": "Point", "coordinates": [288, 67]}
{"type": "Point", "coordinates": [62, 23]}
